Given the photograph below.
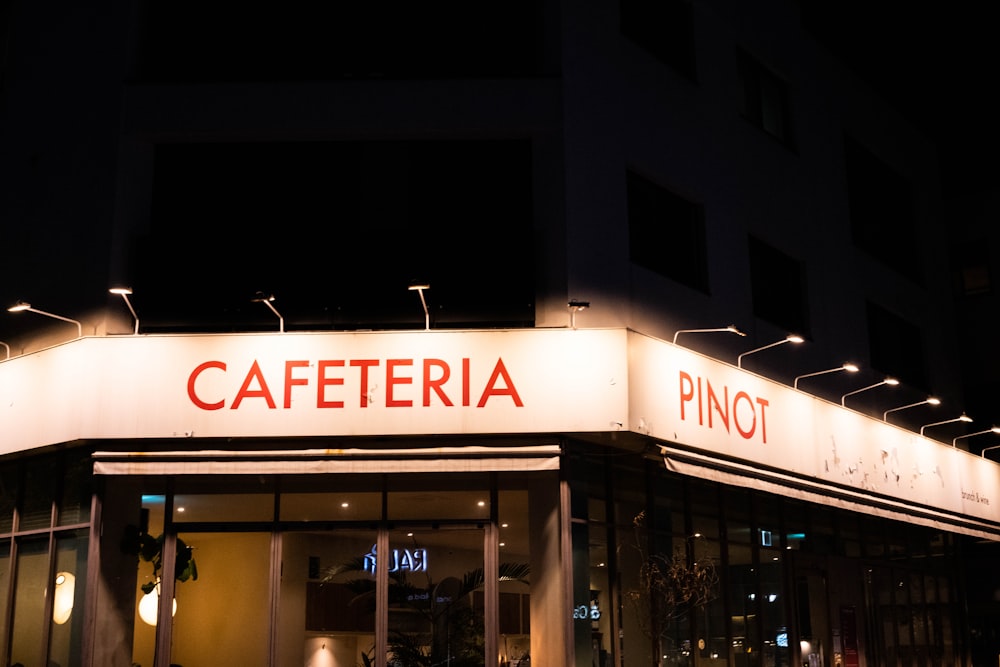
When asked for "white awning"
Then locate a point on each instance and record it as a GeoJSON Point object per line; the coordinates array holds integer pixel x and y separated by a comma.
{"type": "Point", "coordinates": [326, 461]}
{"type": "Point", "coordinates": [811, 490]}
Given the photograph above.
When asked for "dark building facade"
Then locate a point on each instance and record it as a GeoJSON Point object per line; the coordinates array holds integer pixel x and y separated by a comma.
{"type": "Point", "coordinates": [600, 333]}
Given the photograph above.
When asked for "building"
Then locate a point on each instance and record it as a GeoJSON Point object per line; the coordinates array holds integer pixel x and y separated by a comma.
{"type": "Point", "coordinates": [659, 391]}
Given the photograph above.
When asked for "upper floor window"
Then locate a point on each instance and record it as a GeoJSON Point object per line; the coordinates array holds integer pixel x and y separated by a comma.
{"type": "Point", "coordinates": [765, 99]}
{"type": "Point", "coordinates": [778, 284]}
{"type": "Point", "coordinates": [896, 346]}
{"type": "Point", "coordinates": [882, 216]}
{"type": "Point", "coordinates": [664, 28]}
{"type": "Point", "coordinates": [666, 233]}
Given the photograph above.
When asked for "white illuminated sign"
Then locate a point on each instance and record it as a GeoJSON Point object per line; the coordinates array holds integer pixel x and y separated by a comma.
{"type": "Point", "coordinates": [400, 560]}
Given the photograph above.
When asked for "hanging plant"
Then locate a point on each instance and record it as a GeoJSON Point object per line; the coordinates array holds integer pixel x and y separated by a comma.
{"type": "Point", "coordinates": [145, 547]}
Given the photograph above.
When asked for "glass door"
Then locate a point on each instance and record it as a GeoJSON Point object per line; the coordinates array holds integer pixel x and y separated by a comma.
{"type": "Point", "coordinates": [429, 606]}
{"type": "Point", "coordinates": [435, 597]}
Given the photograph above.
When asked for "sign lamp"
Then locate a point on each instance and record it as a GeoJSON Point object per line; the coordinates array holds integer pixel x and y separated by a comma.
{"type": "Point", "coordinates": [892, 382]}
{"type": "Point", "coordinates": [22, 306]}
{"type": "Point", "coordinates": [791, 338]}
{"type": "Point", "coordinates": [124, 293]}
{"type": "Point", "coordinates": [419, 288]}
{"type": "Point", "coordinates": [961, 418]}
{"type": "Point", "coordinates": [266, 300]}
{"type": "Point", "coordinates": [730, 329]}
{"type": "Point", "coordinates": [993, 429]}
{"type": "Point", "coordinates": [930, 400]}
{"type": "Point", "coordinates": [849, 367]}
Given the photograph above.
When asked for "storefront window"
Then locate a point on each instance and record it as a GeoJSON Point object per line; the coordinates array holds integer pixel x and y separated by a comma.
{"type": "Point", "coordinates": [327, 598]}
{"type": "Point", "coordinates": [145, 620]}
{"type": "Point", "coordinates": [68, 593]}
{"type": "Point", "coordinates": [29, 622]}
{"type": "Point", "coordinates": [8, 497]}
{"type": "Point", "coordinates": [191, 508]}
{"type": "Point", "coordinates": [514, 614]}
{"type": "Point", "coordinates": [74, 500]}
{"type": "Point", "coordinates": [223, 616]}
{"type": "Point", "coordinates": [336, 505]}
{"type": "Point", "coordinates": [744, 601]}
{"type": "Point", "coordinates": [4, 587]}
{"type": "Point", "coordinates": [711, 628]}
{"type": "Point", "coordinates": [773, 602]}
{"type": "Point", "coordinates": [432, 616]}
{"type": "Point", "coordinates": [39, 493]}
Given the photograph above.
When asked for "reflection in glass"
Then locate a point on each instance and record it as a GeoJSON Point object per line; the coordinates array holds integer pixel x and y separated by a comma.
{"type": "Point", "coordinates": [69, 592]}
{"type": "Point", "coordinates": [326, 602]}
{"type": "Point", "coordinates": [144, 634]}
{"type": "Point", "coordinates": [434, 576]}
{"type": "Point", "coordinates": [514, 613]}
{"type": "Point", "coordinates": [773, 603]}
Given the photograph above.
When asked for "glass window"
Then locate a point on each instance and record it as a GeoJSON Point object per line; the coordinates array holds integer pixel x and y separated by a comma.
{"type": "Point", "coordinates": [765, 99]}
{"type": "Point", "coordinates": [8, 496]}
{"type": "Point", "coordinates": [436, 497]}
{"type": "Point", "coordinates": [29, 620]}
{"type": "Point", "coordinates": [705, 505]}
{"type": "Point", "coordinates": [515, 589]}
{"type": "Point", "coordinates": [332, 506]}
{"type": "Point", "coordinates": [433, 615]}
{"type": "Point", "coordinates": [773, 605]}
{"type": "Point", "coordinates": [882, 217]}
{"type": "Point", "coordinates": [5, 575]}
{"type": "Point", "coordinates": [223, 616]}
{"type": "Point", "coordinates": [897, 347]}
{"type": "Point", "coordinates": [69, 592]}
{"type": "Point", "coordinates": [326, 602]}
{"type": "Point", "coordinates": [778, 287]}
{"type": "Point", "coordinates": [666, 233]}
{"type": "Point", "coordinates": [74, 501]}
{"type": "Point", "coordinates": [39, 494]}
{"type": "Point", "coordinates": [438, 504]}
{"type": "Point", "coordinates": [191, 508]}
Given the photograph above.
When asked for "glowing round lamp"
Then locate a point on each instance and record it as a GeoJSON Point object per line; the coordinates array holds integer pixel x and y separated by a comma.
{"type": "Point", "coordinates": [149, 604]}
{"type": "Point", "coordinates": [62, 601]}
